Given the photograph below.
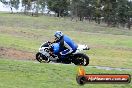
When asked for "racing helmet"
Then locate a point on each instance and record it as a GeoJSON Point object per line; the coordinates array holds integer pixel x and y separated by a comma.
{"type": "Point", "coordinates": [58, 35]}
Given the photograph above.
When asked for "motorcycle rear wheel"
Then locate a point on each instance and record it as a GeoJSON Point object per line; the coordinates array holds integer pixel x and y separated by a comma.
{"type": "Point", "coordinates": [81, 59]}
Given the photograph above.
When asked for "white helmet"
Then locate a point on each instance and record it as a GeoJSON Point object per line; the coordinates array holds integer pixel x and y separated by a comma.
{"type": "Point", "coordinates": [58, 35]}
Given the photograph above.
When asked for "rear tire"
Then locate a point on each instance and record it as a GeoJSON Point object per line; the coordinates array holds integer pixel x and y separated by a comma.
{"type": "Point", "coordinates": [41, 58]}
{"type": "Point", "coordinates": [81, 59]}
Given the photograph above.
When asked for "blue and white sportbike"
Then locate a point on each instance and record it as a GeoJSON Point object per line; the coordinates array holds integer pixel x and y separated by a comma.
{"type": "Point", "coordinates": [48, 52]}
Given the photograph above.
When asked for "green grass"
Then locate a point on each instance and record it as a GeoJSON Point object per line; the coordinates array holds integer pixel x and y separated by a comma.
{"type": "Point", "coordinates": [54, 23]}
{"type": "Point", "coordinates": [19, 74]}
{"type": "Point", "coordinates": [18, 43]}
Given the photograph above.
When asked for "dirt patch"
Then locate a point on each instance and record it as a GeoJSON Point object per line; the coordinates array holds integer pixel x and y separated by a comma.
{"type": "Point", "coordinates": [16, 54]}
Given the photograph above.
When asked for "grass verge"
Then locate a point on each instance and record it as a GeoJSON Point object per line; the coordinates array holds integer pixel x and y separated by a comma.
{"type": "Point", "coordinates": [21, 74]}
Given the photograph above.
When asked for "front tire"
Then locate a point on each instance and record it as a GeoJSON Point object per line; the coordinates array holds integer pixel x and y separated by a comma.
{"type": "Point", "coordinates": [41, 58]}
{"type": "Point", "coordinates": [81, 59]}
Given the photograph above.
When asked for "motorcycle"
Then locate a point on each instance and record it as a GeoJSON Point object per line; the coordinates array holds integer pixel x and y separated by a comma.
{"type": "Point", "coordinates": [45, 55]}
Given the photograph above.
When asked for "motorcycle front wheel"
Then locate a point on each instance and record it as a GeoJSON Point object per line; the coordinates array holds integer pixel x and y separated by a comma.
{"type": "Point", "coordinates": [41, 58]}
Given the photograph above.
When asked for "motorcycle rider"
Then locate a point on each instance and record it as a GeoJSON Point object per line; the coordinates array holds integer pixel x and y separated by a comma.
{"type": "Point", "coordinates": [67, 45]}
